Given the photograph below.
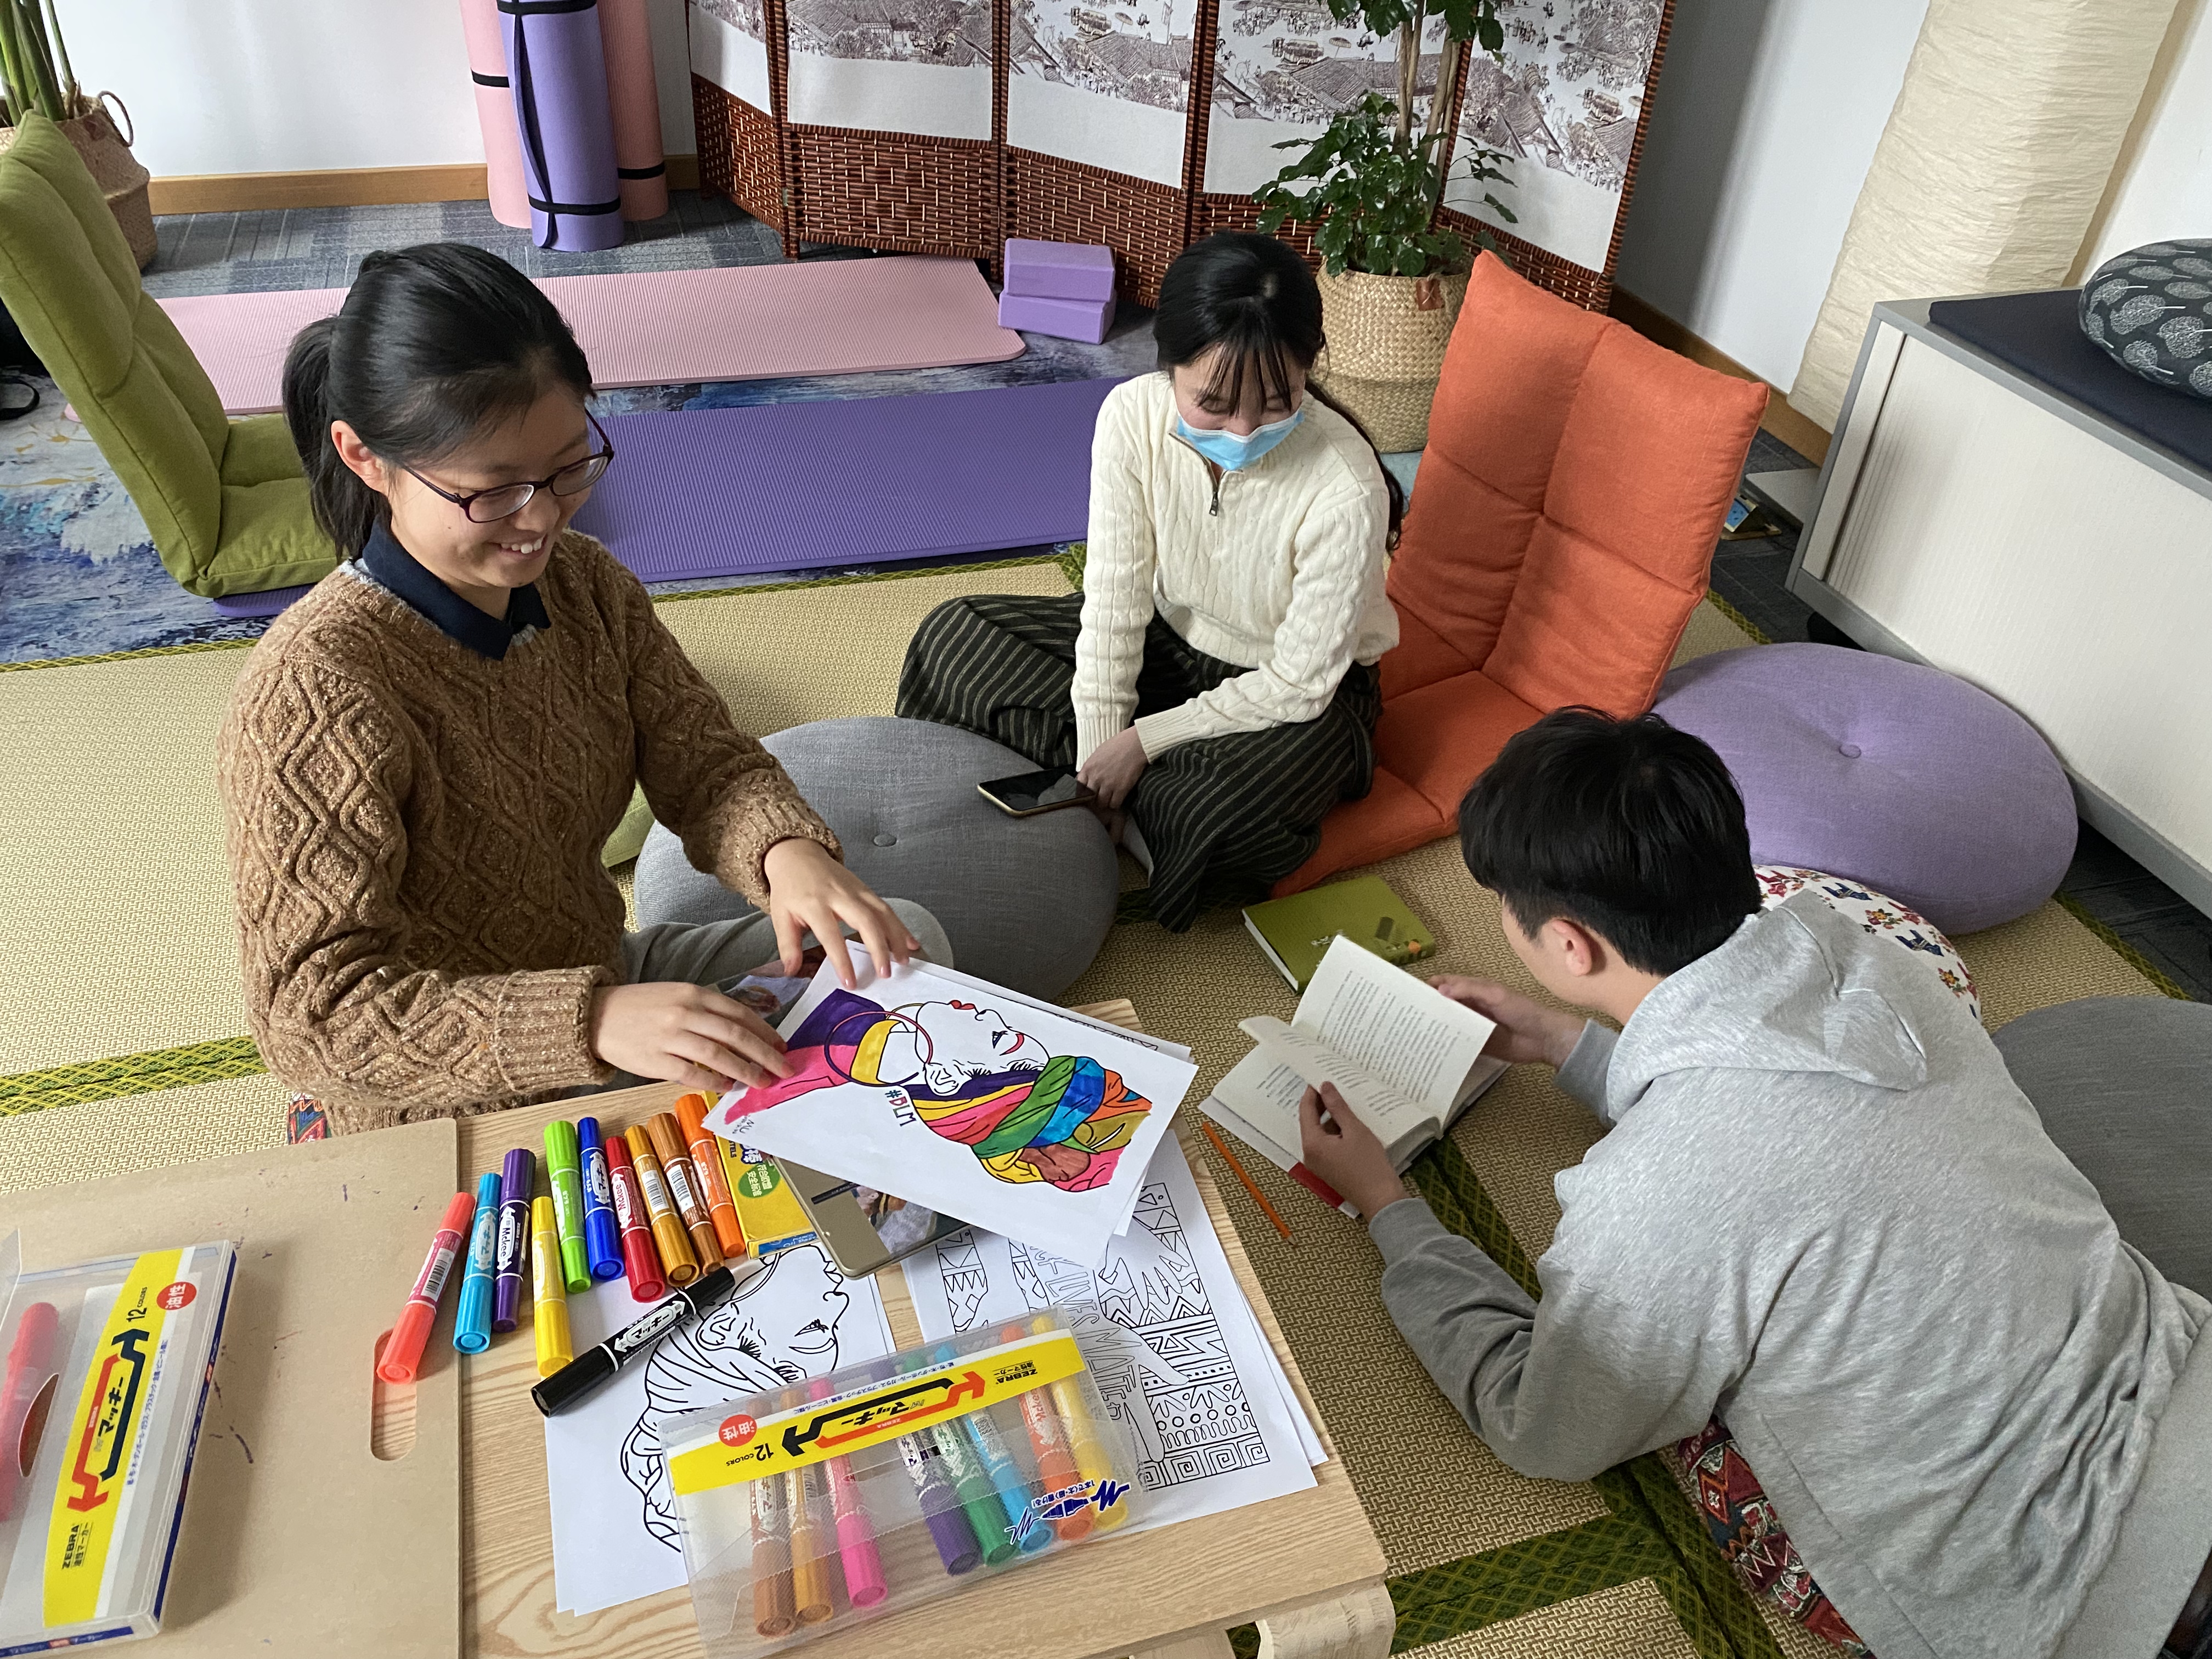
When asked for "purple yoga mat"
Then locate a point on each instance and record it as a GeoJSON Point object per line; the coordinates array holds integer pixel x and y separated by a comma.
{"type": "Point", "coordinates": [556, 70]}
{"type": "Point", "coordinates": [265, 603]}
{"type": "Point", "coordinates": [720, 492]}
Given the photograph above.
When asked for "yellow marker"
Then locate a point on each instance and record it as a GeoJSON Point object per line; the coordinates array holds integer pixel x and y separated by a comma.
{"type": "Point", "coordinates": [1091, 1462]}
{"type": "Point", "coordinates": [668, 1235]}
{"type": "Point", "coordinates": [549, 1315]}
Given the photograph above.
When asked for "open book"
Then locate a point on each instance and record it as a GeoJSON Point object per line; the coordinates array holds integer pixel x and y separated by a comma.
{"type": "Point", "coordinates": [1408, 1060]}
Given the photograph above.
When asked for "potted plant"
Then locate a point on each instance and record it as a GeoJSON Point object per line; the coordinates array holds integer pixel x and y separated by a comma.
{"type": "Point", "coordinates": [1370, 186]}
{"type": "Point", "coordinates": [35, 76]}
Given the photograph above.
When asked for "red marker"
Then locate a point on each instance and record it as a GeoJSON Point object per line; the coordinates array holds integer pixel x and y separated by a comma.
{"type": "Point", "coordinates": [28, 1356]}
{"type": "Point", "coordinates": [403, 1349]}
{"type": "Point", "coordinates": [640, 1262]}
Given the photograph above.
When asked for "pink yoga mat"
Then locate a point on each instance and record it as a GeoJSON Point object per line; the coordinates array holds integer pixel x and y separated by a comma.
{"type": "Point", "coordinates": [634, 100]}
{"type": "Point", "coordinates": [670, 327]}
{"type": "Point", "coordinates": [510, 203]}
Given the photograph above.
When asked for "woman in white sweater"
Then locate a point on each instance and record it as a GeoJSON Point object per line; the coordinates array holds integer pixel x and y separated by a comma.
{"type": "Point", "coordinates": [1214, 683]}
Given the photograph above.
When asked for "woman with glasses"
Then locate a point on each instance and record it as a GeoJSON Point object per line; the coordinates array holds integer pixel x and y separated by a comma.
{"type": "Point", "coordinates": [426, 754]}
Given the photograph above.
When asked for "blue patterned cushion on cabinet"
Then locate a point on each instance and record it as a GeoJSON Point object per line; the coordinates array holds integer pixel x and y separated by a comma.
{"type": "Point", "coordinates": [2150, 309]}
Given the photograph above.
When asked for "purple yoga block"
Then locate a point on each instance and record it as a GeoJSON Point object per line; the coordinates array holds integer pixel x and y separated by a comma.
{"type": "Point", "coordinates": [1070, 319]}
{"type": "Point", "coordinates": [1059, 271]}
{"type": "Point", "coordinates": [556, 70]}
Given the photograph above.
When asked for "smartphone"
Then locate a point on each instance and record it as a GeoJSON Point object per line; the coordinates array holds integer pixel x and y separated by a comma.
{"type": "Point", "coordinates": [863, 1230]}
{"type": "Point", "coordinates": [1033, 792]}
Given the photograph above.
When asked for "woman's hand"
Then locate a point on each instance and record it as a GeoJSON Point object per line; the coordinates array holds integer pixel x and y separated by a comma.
{"type": "Point", "coordinates": [1114, 768]}
{"type": "Point", "coordinates": [1344, 1153]}
{"type": "Point", "coordinates": [1527, 1030]}
{"type": "Point", "coordinates": [690, 1035]}
{"type": "Point", "coordinates": [810, 892]}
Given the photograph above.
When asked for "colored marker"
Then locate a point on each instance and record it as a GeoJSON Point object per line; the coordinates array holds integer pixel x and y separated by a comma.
{"type": "Point", "coordinates": [549, 1311]}
{"type": "Point", "coordinates": [812, 1548]}
{"type": "Point", "coordinates": [668, 1145]}
{"type": "Point", "coordinates": [998, 1459]}
{"type": "Point", "coordinates": [773, 1612]}
{"type": "Point", "coordinates": [668, 1235]}
{"type": "Point", "coordinates": [1049, 1440]}
{"type": "Point", "coordinates": [714, 1185]}
{"type": "Point", "coordinates": [864, 1584]}
{"type": "Point", "coordinates": [1091, 1462]}
{"type": "Point", "coordinates": [602, 1237]}
{"type": "Point", "coordinates": [972, 1481]}
{"type": "Point", "coordinates": [472, 1319]}
{"type": "Point", "coordinates": [564, 1174]}
{"type": "Point", "coordinates": [639, 1260]}
{"type": "Point", "coordinates": [954, 1539]}
{"type": "Point", "coordinates": [515, 1181]}
{"type": "Point", "coordinates": [403, 1349]}
{"type": "Point", "coordinates": [597, 1363]}
{"type": "Point", "coordinates": [28, 1357]}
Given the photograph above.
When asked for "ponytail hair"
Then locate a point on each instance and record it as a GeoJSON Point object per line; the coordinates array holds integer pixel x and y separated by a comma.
{"type": "Point", "coordinates": [431, 343]}
{"type": "Point", "coordinates": [1255, 298]}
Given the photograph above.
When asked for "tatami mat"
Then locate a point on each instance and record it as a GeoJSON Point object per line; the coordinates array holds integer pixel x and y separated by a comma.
{"type": "Point", "coordinates": [115, 938]}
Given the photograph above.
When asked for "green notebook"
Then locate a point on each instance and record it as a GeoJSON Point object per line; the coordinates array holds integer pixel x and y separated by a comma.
{"type": "Point", "coordinates": [1295, 932]}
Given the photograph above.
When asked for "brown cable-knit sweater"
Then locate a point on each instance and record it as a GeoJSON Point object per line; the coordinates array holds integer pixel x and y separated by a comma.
{"type": "Point", "coordinates": [414, 834]}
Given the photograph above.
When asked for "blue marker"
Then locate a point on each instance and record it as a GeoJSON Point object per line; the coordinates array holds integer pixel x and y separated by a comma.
{"type": "Point", "coordinates": [472, 1319]}
{"type": "Point", "coordinates": [998, 1462]}
{"type": "Point", "coordinates": [602, 1237]}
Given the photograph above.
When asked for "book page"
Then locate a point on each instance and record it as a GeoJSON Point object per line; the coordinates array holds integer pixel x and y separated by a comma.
{"type": "Point", "coordinates": [1397, 1121]}
{"type": "Point", "coordinates": [1261, 1093]}
{"type": "Point", "coordinates": [1381, 1019]}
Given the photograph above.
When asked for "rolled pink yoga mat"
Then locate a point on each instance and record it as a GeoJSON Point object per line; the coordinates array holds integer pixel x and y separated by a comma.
{"type": "Point", "coordinates": [496, 112]}
{"type": "Point", "coordinates": [633, 101]}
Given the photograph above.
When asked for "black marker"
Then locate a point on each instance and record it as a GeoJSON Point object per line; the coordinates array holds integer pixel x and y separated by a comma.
{"type": "Point", "coordinates": [595, 1365]}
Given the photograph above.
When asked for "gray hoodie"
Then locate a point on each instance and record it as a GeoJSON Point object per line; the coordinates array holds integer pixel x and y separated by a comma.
{"type": "Point", "coordinates": [1824, 1212]}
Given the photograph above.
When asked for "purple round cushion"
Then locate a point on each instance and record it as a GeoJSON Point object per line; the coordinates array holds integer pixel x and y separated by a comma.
{"type": "Point", "coordinates": [1898, 775]}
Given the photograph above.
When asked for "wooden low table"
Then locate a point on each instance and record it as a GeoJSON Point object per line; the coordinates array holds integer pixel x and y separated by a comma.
{"type": "Point", "coordinates": [1306, 1567]}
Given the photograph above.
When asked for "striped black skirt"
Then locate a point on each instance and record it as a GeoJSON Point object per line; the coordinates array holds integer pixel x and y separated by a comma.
{"type": "Point", "coordinates": [1224, 817]}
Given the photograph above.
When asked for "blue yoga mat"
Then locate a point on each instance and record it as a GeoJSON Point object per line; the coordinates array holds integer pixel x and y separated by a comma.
{"type": "Point", "coordinates": [796, 486]}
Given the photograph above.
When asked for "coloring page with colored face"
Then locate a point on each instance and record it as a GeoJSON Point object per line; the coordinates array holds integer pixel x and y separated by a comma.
{"type": "Point", "coordinates": [969, 1101]}
{"type": "Point", "coordinates": [615, 1534]}
{"type": "Point", "coordinates": [1175, 1350]}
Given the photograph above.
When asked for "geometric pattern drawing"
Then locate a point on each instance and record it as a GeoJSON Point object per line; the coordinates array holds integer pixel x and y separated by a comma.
{"type": "Point", "coordinates": [1149, 1331]}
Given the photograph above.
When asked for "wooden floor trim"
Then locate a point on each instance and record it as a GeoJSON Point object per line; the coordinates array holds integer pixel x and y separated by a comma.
{"type": "Point", "coordinates": [1800, 432]}
{"type": "Point", "coordinates": [241, 192]}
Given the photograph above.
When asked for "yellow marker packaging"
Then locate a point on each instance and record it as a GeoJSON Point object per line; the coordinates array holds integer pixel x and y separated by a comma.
{"type": "Point", "coordinates": [104, 1371]}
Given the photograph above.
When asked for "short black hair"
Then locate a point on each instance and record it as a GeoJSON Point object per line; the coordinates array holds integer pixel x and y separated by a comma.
{"type": "Point", "coordinates": [1629, 828]}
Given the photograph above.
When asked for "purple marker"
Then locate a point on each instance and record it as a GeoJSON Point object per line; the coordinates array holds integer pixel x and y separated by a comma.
{"type": "Point", "coordinates": [513, 1257]}
{"type": "Point", "coordinates": [940, 1501]}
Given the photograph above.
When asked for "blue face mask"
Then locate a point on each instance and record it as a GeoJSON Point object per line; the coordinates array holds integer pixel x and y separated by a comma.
{"type": "Point", "coordinates": [1229, 452]}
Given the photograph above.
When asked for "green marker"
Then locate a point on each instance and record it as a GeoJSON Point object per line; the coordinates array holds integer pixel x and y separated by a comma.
{"type": "Point", "coordinates": [563, 1168]}
{"type": "Point", "coordinates": [973, 1482]}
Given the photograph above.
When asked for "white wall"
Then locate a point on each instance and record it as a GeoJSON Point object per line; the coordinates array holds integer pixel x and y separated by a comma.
{"type": "Point", "coordinates": [1763, 123]}
{"type": "Point", "coordinates": [2163, 184]}
{"type": "Point", "coordinates": [284, 86]}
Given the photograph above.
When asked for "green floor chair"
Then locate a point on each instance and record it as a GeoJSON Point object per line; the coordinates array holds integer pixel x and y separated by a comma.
{"type": "Point", "coordinates": [226, 501]}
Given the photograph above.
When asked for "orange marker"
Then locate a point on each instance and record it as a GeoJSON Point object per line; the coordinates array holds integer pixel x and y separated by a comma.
{"type": "Point", "coordinates": [403, 1350]}
{"type": "Point", "coordinates": [707, 1163]}
{"type": "Point", "coordinates": [668, 1145]}
{"type": "Point", "coordinates": [676, 1257]}
{"type": "Point", "coordinates": [1049, 1440]}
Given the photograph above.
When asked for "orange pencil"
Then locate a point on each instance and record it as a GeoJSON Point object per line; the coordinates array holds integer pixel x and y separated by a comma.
{"type": "Point", "coordinates": [1237, 1169]}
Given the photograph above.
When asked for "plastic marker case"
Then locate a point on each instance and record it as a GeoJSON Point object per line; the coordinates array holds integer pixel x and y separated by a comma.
{"type": "Point", "coordinates": [892, 1484]}
{"type": "Point", "coordinates": [106, 1365]}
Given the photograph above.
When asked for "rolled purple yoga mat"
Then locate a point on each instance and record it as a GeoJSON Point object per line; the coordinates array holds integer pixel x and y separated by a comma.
{"type": "Point", "coordinates": [556, 70]}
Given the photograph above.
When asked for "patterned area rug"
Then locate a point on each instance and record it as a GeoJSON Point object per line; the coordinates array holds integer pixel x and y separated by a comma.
{"type": "Point", "coordinates": [128, 1038]}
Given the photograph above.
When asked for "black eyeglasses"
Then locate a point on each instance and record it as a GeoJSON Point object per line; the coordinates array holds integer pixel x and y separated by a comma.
{"type": "Point", "coordinates": [491, 506]}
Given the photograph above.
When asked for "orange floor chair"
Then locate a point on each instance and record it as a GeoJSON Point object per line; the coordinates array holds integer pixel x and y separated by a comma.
{"type": "Point", "coordinates": [1575, 484]}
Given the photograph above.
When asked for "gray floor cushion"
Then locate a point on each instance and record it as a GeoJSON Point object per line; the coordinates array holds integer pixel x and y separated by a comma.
{"type": "Point", "coordinates": [1026, 901]}
{"type": "Point", "coordinates": [2124, 1088]}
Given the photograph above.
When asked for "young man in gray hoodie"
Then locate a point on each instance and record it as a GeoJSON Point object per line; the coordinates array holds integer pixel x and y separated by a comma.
{"type": "Point", "coordinates": [1821, 1211]}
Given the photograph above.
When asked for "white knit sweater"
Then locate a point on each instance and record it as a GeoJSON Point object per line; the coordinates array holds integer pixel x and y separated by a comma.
{"type": "Point", "coordinates": [1279, 568]}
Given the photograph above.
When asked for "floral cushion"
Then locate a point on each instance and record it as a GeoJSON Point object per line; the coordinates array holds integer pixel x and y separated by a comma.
{"type": "Point", "coordinates": [1877, 914]}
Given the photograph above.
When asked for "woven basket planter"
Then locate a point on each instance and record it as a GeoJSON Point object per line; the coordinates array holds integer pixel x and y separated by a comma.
{"type": "Point", "coordinates": [107, 157]}
{"type": "Point", "coordinates": [1386, 347]}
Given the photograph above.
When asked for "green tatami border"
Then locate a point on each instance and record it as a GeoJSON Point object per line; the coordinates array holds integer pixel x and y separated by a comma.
{"type": "Point", "coordinates": [1069, 559]}
{"type": "Point", "coordinates": [129, 1074]}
